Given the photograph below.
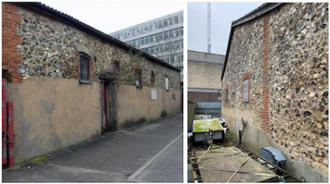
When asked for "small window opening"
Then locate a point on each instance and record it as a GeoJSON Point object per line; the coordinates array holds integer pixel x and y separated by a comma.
{"type": "Point", "coordinates": [84, 67]}
{"type": "Point", "coordinates": [116, 67]}
{"type": "Point", "coordinates": [166, 83]}
{"type": "Point", "coordinates": [152, 78]}
{"type": "Point", "coordinates": [246, 90]}
{"type": "Point", "coordinates": [138, 78]}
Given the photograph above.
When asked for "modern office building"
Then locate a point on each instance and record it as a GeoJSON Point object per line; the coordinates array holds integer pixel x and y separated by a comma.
{"type": "Point", "coordinates": [161, 37]}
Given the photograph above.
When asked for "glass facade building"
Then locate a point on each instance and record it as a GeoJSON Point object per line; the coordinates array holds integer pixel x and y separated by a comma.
{"type": "Point", "coordinates": [161, 37]}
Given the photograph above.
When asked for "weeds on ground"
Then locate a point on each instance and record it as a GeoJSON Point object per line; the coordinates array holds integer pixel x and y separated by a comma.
{"type": "Point", "coordinates": [39, 160]}
{"type": "Point", "coordinates": [229, 140]}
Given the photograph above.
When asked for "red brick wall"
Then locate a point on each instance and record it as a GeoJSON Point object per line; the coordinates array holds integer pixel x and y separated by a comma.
{"type": "Point", "coordinates": [265, 81]}
{"type": "Point", "coordinates": [10, 40]}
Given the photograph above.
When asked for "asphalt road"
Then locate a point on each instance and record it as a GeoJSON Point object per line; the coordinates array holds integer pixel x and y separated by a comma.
{"type": "Point", "coordinates": [167, 167]}
{"type": "Point", "coordinates": [114, 157]}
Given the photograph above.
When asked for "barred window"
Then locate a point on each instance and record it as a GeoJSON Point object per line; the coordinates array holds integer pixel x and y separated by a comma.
{"type": "Point", "coordinates": [116, 67]}
{"type": "Point", "coordinates": [246, 90]}
{"type": "Point", "coordinates": [84, 67]}
{"type": "Point", "coordinates": [152, 78]}
{"type": "Point", "coordinates": [138, 78]}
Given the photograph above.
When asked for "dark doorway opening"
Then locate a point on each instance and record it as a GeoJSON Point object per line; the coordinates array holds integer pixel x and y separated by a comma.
{"type": "Point", "coordinates": [110, 106]}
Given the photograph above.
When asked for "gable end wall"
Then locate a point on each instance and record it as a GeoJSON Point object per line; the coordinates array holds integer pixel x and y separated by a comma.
{"type": "Point", "coordinates": [286, 52]}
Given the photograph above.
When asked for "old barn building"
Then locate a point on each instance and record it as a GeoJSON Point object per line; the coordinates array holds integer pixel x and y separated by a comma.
{"type": "Point", "coordinates": [275, 77]}
{"type": "Point", "coordinates": [70, 82]}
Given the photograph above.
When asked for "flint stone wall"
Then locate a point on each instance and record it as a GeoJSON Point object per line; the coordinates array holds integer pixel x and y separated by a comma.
{"type": "Point", "coordinates": [295, 105]}
{"type": "Point", "coordinates": [48, 50]}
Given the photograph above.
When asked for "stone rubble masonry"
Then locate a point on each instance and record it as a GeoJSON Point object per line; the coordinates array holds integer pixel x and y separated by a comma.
{"type": "Point", "coordinates": [10, 39]}
{"type": "Point", "coordinates": [45, 47]}
{"type": "Point", "coordinates": [299, 81]}
{"type": "Point", "coordinates": [245, 76]}
{"type": "Point", "coordinates": [286, 52]}
{"type": "Point", "coordinates": [265, 77]}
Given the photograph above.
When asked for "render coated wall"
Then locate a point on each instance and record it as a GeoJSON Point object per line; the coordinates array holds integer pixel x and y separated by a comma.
{"type": "Point", "coordinates": [204, 75]}
{"type": "Point", "coordinates": [53, 113]}
{"type": "Point", "coordinates": [136, 105]}
{"type": "Point", "coordinates": [51, 108]}
{"type": "Point", "coordinates": [285, 56]}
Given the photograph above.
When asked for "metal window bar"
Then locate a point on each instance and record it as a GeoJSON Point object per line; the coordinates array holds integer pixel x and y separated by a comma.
{"type": "Point", "coordinates": [84, 68]}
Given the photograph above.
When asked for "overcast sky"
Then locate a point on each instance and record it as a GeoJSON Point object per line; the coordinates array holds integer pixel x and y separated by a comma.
{"type": "Point", "coordinates": [110, 16]}
{"type": "Point", "coordinates": [222, 14]}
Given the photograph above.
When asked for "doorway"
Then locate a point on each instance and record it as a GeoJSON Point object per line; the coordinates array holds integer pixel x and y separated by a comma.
{"type": "Point", "coordinates": [110, 106]}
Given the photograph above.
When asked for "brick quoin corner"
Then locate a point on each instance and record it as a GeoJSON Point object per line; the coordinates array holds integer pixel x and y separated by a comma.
{"type": "Point", "coordinates": [10, 39]}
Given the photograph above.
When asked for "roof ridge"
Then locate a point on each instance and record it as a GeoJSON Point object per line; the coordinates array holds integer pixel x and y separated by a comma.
{"type": "Point", "coordinates": [262, 9]}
